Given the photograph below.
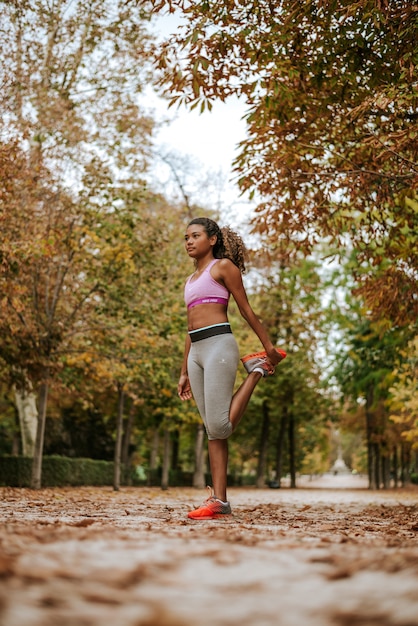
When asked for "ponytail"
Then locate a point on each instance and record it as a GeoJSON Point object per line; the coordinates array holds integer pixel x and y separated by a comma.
{"type": "Point", "coordinates": [234, 248]}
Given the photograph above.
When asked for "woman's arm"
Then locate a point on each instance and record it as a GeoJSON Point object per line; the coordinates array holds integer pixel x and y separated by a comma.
{"type": "Point", "coordinates": [232, 279]}
{"type": "Point", "coordinates": [183, 388]}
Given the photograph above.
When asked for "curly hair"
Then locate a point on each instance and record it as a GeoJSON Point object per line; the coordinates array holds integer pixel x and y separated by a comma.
{"type": "Point", "coordinates": [229, 244]}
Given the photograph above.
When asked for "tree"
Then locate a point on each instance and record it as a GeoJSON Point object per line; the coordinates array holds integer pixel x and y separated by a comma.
{"type": "Point", "coordinates": [284, 407]}
{"type": "Point", "coordinates": [71, 74]}
{"type": "Point", "coordinates": [365, 372]}
{"type": "Point", "coordinates": [331, 150]}
{"type": "Point", "coordinates": [403, 404]}
{"type": "Point", "coordinates": [133, 347]}
{"type": "Point", "coordinates": [47, 278]}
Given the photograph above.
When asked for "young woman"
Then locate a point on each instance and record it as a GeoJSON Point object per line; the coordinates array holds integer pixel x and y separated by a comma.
{"type": "Point", "coordinates": [211, 355]}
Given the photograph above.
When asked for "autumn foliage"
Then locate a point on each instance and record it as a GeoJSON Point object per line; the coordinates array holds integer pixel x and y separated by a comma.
{"type": "Point", "coordinates": [331, 150]}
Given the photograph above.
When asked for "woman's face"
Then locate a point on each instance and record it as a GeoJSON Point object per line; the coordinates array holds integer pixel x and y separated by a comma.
{"type": "Point", "coordinates": [197, 243]}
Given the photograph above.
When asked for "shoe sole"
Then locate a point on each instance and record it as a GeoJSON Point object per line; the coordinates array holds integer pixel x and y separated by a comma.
{"type": "Point", "coordinates": [206, 517]}
{"type": "Point", "coordinates": [261, 355]}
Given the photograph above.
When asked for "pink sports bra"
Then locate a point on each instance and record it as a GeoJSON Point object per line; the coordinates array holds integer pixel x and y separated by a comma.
{"type": "Point", "coordinates": [205, 289]}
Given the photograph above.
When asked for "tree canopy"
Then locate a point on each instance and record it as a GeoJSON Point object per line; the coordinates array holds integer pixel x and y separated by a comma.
{"type": "Point", "coordinates": [331, 150]}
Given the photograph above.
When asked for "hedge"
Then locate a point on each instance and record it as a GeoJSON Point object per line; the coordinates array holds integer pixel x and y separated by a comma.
{"type": "Point", "coordinates": [62, 471]}
{"type": "Point", "coordinates": [57, 471]}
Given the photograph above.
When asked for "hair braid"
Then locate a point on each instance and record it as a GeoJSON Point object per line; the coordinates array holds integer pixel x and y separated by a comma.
{"type": "Point", "coordinates": [229, 244]}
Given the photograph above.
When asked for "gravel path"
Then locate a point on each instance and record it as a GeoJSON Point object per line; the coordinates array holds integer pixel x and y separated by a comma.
{"type": "Point", "coordinates": [318, 556]}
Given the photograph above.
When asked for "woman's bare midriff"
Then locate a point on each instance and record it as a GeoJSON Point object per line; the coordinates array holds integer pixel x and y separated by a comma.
{"type": "Point", "coordinates": [206, 315]}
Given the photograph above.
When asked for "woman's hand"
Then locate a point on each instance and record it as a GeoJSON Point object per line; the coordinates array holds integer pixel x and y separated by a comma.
{"type": "Point", "coordinates": [273, 357]}
{"type": "Point", "coordinates": [183, 388]}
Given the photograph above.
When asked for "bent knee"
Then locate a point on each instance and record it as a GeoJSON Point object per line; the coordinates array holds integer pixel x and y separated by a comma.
{"type": "Point", "coordinates": [220, 431]}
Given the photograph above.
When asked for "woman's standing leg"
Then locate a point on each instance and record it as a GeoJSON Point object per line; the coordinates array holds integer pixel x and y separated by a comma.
{"type": "Point", "coordinates": [218, 458]}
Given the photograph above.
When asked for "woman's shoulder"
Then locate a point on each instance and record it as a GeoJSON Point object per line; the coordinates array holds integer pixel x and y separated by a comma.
{"type": "Point", "coordinates": [224, 263]}
{"type": "Point", "coordinates": [225, 266]}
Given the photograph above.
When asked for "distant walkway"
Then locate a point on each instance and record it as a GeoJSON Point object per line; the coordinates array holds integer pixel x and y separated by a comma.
{"type": "Point", "coordinates": [332, 481]}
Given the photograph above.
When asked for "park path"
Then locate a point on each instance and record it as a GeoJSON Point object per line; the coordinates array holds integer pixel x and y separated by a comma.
{"type": "Point", "coordinates": [330, 553]}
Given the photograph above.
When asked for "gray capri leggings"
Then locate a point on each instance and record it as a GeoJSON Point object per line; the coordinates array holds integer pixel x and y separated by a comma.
{"type": "Point", "coordinates": [212, 366]}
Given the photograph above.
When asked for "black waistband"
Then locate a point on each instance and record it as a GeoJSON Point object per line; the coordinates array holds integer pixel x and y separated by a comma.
{"type": "Point", "coordinates": [211, 331]}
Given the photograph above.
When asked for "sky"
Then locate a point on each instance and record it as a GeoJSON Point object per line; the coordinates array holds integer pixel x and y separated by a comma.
{"type": "Point", "coordinates": [208, 140]}
{"type": "Point", "coordinates": [211, 137]}
{"type": "Point", "coordinates": [204, 146]}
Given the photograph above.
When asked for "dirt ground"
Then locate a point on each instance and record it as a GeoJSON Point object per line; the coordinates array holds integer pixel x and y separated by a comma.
{"type": "Point", "coordinates": [328, 553]}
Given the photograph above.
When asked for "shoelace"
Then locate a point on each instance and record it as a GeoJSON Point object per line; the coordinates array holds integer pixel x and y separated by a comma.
{"type": "Point", "coordinates": [211, 497]}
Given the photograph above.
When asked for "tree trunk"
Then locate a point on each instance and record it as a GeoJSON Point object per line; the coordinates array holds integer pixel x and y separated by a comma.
{"type": "Point", "coordinates": [155, 444]}
{"type": "Point", "coordinates": [127, 434]}
{"type": "Point", "coordinates": [262, 458]}
{"type": "Point", "coordinates": [175, 448]}
{"type": "Point", "coordinates": [405, 461]}
{"type": "Point", "coordinates": [377, 465]}
{"type": "Point", "coordinates": [17, 439]}
{"type": "Point", "coordinates": [292, 458]}
{"type": "Point", "coordinates": [199, 473]}
{"type": "Point", "coordinates": [395, 466]}
{"type": "Point", "coordinates": [28, 419]}
{"type": "Point", "coordinates": [166, 460]}
{"type": "Point", "coordinates": [386, 470]}
{"type": "Point", "coordinates": [371, 459]}
{"type": "Point", "coordinates": [279, 445]}
{"type": "Point", "coordinates": [118, 443]}
{"type": "Point", "coordinates": [371, 465]}
{"type": "Point", "coordinates": [36, 479]}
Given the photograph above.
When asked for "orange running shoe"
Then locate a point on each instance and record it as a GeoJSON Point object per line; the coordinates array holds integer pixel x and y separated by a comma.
{"type": "Point", "coordinates": [258, 361]}
{"type": "Point", "coordinates": [212, 508]}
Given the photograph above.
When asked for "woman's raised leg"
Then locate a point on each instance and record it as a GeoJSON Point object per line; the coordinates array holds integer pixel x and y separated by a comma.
{"type": "Point", "coordinates": [241, 398]}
